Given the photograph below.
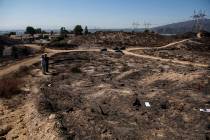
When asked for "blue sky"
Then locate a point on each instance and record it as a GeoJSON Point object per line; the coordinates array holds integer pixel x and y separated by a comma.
{"type": "Point", "coordinates": [53, 14]}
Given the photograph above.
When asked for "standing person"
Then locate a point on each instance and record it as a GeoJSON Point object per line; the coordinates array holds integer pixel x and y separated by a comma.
{"type": "Point", "coordinates": [43, 64]}
{"type": "Point", "coordinates": [47, 62]}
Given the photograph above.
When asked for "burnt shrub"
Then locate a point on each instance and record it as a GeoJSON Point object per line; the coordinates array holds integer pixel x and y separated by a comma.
{"type": "Point", "coordinates": [1, 51]}
{"type": "Point", "coordinates": [137, 104]}
{"type": "Point", "coordinates": [14, 52]}
{"type": "Point", "coordinates": [76, 70]}
{"type": "Point", "coordinates": [21, 52]}
{"type": "Point", "coordinates": [9, 87]}
{"type": "Point", "coordinates": [26, 51]}
{"type": "Point", "coordinates": [164, 105]}
{"type": "Point", "coordinates": [61, 44]}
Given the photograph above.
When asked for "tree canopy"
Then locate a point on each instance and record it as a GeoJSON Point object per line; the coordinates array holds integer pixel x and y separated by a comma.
{"type": "Point", "coordinates": [63, 31]}
{"type": "Point", "coordinates": [38, 31]}
{"type": "Point", "coordinates": [30, 30]}
{"type": "Point", "coordinates": [78, 30]}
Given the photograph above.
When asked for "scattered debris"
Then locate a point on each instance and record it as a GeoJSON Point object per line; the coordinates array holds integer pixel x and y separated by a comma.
{"type": "Point", "coordinates": [102, 111]}
{"type": "Point", "coordinates": [116, 49]}
{"type": "Point", "coordinates": [119, 51]}
{"type": "Point", "coordinates": [104, 50]}
{"type": "Point", "coordinates": [147, 104]}
{"type": "Point", "coordinates": [137, 104]}
{"type": "Point", "coordinates": [205, 110]}
{"type": "Point", "coordinates": [52, 116]}
{"type": "Point", "coordinates": [123, 48]}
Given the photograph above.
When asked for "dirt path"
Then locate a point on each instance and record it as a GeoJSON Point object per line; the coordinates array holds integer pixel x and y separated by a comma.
{"type": "Point", "coordinates": [30, 61]}
{"type": "Point", "coordinates": [166, 60]}
{"type": "Point", "coordinates": [33, 46]}
{"type": "Point", "coordinates": [51, 52]}
{"type": "Point", "coordinates": [26, 62]}
{"type": "Point", "coordinates": [162, 47]}
{"type": "Point", "coordinates": [127, 52]}
{"type": "Point", "coordinates": [23, 121]}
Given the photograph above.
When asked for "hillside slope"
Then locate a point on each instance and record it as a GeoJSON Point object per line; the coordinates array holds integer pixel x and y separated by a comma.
{"type": "Point", "coordinates": [181, 27]}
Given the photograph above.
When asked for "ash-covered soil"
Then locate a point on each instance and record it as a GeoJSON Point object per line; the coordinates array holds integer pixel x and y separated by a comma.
{"type": "Point", "coordinates": [101, 96]}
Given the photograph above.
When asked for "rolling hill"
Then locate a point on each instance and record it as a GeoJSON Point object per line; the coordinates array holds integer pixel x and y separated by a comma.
{"type": "Point", "coordinates": [181, 27]}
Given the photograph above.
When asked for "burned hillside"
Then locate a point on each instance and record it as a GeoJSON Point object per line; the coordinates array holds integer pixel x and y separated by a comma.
{"type": "Point", "coordinates": [99, 93]}
{"type": "Point", "coordinates": [95, 96]}
{"type": "Point", "coordinates": [125, 39]}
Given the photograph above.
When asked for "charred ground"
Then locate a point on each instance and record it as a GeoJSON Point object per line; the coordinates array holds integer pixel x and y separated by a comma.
{"type": "Point", "coordinates": [90, 94]}
{"type": "Point", "coordinates": [101, 96]}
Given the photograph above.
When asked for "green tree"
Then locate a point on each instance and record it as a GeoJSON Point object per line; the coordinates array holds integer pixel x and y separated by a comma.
{"type": "Point", "coordinates": [86, 30]}
{"type": "Point", "coordinates": [30, 30]}
{"type": "Point", "coordinates": [78, 30]}
{"type": "Point", "coordinates": [38, 31]}
{"type": "Point", "coordinates": [63, 31]}
{"type": "Point", "coordinates": [12, 33]}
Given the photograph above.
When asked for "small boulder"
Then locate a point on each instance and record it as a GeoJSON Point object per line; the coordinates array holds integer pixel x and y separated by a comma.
{"type": "Point", "coordinates": [52, 116]}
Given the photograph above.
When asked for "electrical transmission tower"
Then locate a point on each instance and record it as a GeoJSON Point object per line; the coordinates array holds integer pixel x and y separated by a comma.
{"type": "Point", "coordinates": [198, 17]}
{"type": "Point", "coordinates": [135, 25]}
{"type": "Point", "coordinates": [147, 25]}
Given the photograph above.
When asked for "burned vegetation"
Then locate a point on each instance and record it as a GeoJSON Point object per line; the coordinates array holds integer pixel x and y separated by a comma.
{"type": "Point", "coordinates": [109, 88]}
{"type": "Point", "coordinates": [103, 96]}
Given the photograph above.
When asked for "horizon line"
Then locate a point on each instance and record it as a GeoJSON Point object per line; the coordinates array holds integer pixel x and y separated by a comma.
{"type": "Point", "coordinates": [92, 27]}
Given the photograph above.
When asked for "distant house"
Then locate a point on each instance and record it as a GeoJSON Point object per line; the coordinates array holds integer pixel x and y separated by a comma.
{"type": "Point", "coordinates": [27, 38]}
{"type": "Point", "coordinates": [45, 36]}
{"type": "Point", "coordinates": [42, 41]}
{"type": "Point", "coordinates": [16, 37]}
{"type": "Point", "coordinates": [37, 36]}
{"type": "Point", "coordinates": [53, 36]}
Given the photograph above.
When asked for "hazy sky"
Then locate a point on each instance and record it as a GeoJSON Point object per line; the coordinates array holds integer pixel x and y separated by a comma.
{"type": "Point", "coordinates": [52, 14]}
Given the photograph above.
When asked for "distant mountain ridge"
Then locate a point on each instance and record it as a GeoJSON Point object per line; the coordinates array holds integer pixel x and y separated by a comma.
{"type": "Point", "coordinates": [181, 27]}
